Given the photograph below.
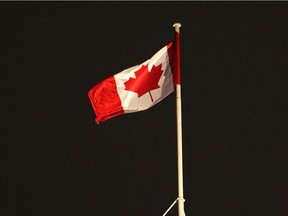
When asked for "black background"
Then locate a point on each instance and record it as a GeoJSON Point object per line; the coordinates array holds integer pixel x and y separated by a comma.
{"type": "Point", "coordinates": [55, 160]}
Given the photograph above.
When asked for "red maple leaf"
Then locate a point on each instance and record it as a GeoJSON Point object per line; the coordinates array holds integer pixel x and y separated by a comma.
{"type": "Point", "coordinates": [145, 81]}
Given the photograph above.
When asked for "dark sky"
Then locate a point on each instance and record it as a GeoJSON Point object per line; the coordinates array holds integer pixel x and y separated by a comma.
{"type": "Point", "coordinates": [55, 160]}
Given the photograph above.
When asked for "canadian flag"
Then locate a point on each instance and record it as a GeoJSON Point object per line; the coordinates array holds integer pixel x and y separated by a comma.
{"type": "Point", "coordinates": [136, 88]}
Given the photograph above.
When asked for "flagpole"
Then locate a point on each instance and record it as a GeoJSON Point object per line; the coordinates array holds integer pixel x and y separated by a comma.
{"type": "Point", "coordinates": [179, 122]}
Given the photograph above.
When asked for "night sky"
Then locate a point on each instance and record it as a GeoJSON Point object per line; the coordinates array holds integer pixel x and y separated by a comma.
{"type": "Point", "coordinates": [56, 161]}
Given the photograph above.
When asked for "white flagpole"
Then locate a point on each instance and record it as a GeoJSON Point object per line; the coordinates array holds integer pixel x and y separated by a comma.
{"type": "Point", "coordinates": [179, 122]}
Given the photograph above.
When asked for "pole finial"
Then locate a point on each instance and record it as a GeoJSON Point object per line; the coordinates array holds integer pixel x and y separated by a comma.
{"type": "Point", "coordinates": [177, 26]}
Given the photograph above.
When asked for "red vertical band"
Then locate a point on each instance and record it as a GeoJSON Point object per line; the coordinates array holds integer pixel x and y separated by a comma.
{"type": "Point", "coordinates": [176, 74]}
{"type": "Point", "coordinates": [105, 100]}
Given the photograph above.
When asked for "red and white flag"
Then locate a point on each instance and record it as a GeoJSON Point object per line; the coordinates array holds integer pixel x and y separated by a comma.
{"type": "Point", "coordinates": [135, 89]}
